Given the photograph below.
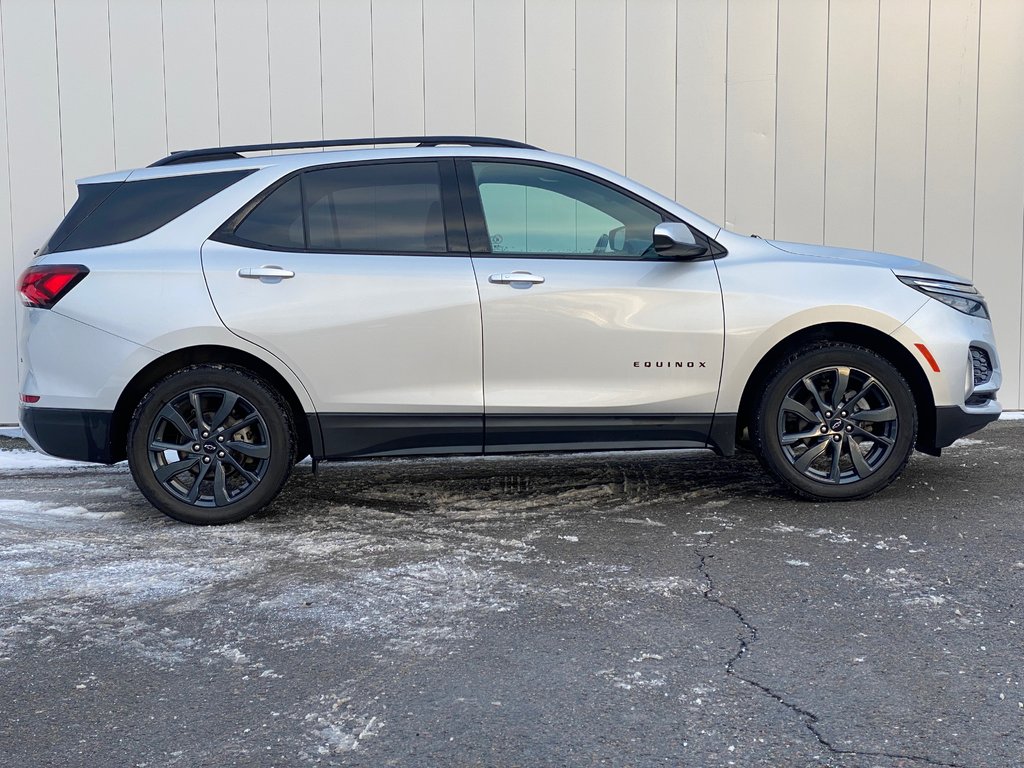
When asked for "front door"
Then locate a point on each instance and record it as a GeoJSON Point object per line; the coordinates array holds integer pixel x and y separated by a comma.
{"type": "Point", "coordinates": [591, 339]}
{"type": "Point", "coordinates": [347, 275]}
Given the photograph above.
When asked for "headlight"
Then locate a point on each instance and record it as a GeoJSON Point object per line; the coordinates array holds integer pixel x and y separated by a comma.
{"type": "Point", "coordinates": [964, 298]}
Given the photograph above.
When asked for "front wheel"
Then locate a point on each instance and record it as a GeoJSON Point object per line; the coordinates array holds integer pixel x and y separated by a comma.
{"type": "Point", "coordinates": [835, 422]}
{"type": "Point", "coordinates": [211, 445]}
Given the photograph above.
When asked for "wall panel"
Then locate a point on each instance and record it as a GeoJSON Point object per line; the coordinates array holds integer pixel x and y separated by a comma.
{"type": "Point", "coordinates": [900, 130]}
{"type": "Point", "coordinates": [295, 99]}
{"type": "Point", "coordinates": [750, 120]}
{"type": "Point", "coordinates": [702, 35]}
{"type": "Point", "coordinates": [850, 138]}
{"type": "Point", "coordinates": [190, 69]}
{"type": "Point", "coordinates": [243, 71]}
{"type": "Point", "coordinates": [347, 67]}
{"type": "Point", "coordinates": [83, 77]}
{"type": "Point", "coordinates": [551, 75]}
{"type": "Point", "coordinates": [397, 68]}
{"type": "Point", "coordinates": [448, 70]}
{"type": "Point", "coordinates": [601, 83]}
{"type": "Point", "coordinates": [499, 34]}
{"type": "Point", "coordinates": [951, 140]}
{"type": "Point", "coordinates": [800, 121]}
{"type": "Point", "coordinates": [137, 78]}
{"type": "Point", "coordinates": [9, 374]}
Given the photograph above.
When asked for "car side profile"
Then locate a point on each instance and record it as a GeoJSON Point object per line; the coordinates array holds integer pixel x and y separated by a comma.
{"type": "Point", "coordinates": [219, 315]}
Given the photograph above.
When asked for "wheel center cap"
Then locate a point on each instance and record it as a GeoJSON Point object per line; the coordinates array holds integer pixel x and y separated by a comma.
{"type": "Point", "coordinates": [209, 447]}
{"type": "Point", "coordinates": [837, 425]}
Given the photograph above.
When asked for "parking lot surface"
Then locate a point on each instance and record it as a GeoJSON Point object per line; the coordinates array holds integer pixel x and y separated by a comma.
{"type": "Point", "coordinates": [626, 609]}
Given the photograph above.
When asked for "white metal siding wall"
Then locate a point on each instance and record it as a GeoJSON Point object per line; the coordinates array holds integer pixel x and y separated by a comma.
{"type": "Point", "coordinates": [897, 126]}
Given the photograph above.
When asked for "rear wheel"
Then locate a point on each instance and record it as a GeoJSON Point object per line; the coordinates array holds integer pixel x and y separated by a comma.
{"type": "Point", "coordinates": [836, 421]}
{"type": "Point", "coordinates": [211, 445]}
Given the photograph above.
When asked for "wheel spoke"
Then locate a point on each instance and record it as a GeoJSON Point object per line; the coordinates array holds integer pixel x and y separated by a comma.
{"type": "Point", "coordinates": [796, 437]}
{"type": "Point", "coordinates": [238, 426]}
{"type": "Point", "coordinates": [879, 414]}
{"type": "Point", "coordinates": [226, 406]}
{"type": "Point", "coordinates": [168, 471]}
{"type": "Point", "coordinates": [193, 493]}
{"type": "Point", "coordinates": [197, 406]}
{"type": "Point", "coordinates": [872, 436]}
{"type": "Point", "coordinates": [253, 479]}
{"type": "Point", "coordinates": [860, 465]}
{"type": "Point", "coordinates": [810, 455]}
{"type": "Point", "coordinates": [170, 413]}
{"type": "Point", "coordinates": [863, 391]}
{"type": "Point", "coordinates": [837, 449]}
{"type": "Point", "coordinates": [842, 384]}
{"type": "Point", "coordinates": [220, 487]}
{"type": "Point", "coordinates": [822, 408]}
{"type": "Point", "coordinates": [249, 449]}
{"type": "Point", "coordinates": [801, 410]}
{"type": "Point", "coordinates": [161, 446]}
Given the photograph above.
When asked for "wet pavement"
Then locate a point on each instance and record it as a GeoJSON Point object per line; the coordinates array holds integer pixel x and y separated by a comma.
{"type": "Point", "coordinates": [625, 609]}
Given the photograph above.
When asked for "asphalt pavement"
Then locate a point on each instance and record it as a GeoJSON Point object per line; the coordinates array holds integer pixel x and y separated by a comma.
{"type": "Point", "coordinates": [628, 609]}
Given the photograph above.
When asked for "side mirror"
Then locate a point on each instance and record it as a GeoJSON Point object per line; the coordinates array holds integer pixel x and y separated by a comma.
{"type": "Point", "coordinates": [672, 238]}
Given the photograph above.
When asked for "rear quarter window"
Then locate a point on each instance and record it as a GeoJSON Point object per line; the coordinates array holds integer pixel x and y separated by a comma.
{"type": "Point", "coordinates": [106, 214]}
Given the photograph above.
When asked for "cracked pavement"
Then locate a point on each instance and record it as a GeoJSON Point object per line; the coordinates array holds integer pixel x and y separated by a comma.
{"type": "Point", "coordinates": [625, 609]}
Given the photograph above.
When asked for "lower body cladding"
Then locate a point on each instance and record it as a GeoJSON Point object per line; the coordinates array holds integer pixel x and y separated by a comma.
{"type": "Point", "coordinates": [86, 435]}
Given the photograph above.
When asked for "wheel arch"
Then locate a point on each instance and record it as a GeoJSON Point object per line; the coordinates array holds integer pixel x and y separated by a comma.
{"type": "Point", "coordinates": [850, 333]}
{"type": "Point", "coordinates": [163, 366]}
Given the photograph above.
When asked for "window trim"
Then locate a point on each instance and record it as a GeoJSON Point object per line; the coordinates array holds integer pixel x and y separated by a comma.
{"type": "Point", "coordinates": [456, 243]}
{"type": "Point", "coordinates": [479, 238]}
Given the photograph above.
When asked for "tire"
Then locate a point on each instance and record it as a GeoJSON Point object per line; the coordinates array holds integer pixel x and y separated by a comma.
{"type": "Point", "coordinates": [835, 422]}
{"type": "Point", "coordinates": [210, 445]}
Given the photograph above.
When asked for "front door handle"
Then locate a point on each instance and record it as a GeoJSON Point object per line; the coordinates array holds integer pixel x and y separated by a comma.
{"type": "Point", "coordinates": [268, 273]}
{"type": "Point", "coordinates": [515, 277]}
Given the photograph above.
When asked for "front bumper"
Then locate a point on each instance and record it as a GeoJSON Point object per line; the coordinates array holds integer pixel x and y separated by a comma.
{"type": "Point", "coordinates": [70, 434]}
{"type": "Point", "coordinates": [953, 422]}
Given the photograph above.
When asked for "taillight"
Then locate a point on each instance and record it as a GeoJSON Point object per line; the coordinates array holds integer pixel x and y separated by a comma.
{"type": "Point", "coordinates": [43, 286]}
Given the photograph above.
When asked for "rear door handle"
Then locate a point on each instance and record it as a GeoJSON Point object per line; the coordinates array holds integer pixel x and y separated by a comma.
{"type": "Point", "coordinates": [268, 273]}
{"type": "Point", "coordinates": [515, 277]}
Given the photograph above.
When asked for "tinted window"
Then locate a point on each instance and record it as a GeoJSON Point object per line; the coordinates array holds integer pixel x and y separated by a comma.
{"type": "Point", "coordinates": [134, 208]}
{"type": "Point", "coordinates": [386, 207]}
{"type": "Point", "coordinates": [539, 210]}
{"type": "Point", "coordinates": [277, 221]}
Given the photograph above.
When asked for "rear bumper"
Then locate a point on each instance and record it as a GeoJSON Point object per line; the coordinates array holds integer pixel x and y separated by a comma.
{"type": "Point", "coordinates": [70, 434]}
{"type": "Point", "coordinates": [953, 422]}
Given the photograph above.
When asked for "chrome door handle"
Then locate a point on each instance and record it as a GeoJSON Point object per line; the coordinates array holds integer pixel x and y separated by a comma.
{"type": "Point", "coordinates": [270, 273]}
{"type": "Point", "coordinates": [515, 277]}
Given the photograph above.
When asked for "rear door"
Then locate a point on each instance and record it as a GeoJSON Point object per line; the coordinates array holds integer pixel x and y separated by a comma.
{"type": "Point", "coordinates": [358, 278]}
{"type": "Point", "coordinates": [591, 338]}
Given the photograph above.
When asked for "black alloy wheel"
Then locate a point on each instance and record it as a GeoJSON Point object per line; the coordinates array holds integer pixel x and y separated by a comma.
{"type": "Point", "coordinates": [836, 421]}
{"type": "Point", "coordinates": [211, 445]}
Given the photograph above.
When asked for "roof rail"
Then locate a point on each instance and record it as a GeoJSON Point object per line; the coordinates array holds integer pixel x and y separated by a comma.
{"type": "Point", "coordinates": [224, 153]}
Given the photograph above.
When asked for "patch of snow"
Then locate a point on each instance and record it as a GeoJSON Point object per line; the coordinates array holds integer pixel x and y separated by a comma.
{"type": "Point", "coordinates": [798, 563]}
{"type": "Point", "coordinates": [570, 538]}
{"type": "Point", "coordinates": [1011, 416]}
{"type": "Point", "coordinates": [14, 508]}
{"type": "Point", "coordinates": [11, 432]}
{"type": "Point", "coordinates": [20, 459]}
{"type": "Point", "coordinates": [638, 521]}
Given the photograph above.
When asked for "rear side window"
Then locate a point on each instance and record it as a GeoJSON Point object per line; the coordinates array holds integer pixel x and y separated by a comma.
{"type": "Point", "coordinates": [378, 208]}
{"type": "Point", "coordinates": [123, 211]}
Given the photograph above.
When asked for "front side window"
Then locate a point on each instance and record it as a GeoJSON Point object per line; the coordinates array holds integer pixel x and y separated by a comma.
{"type": "Point", "coordinates": [531, 209]}
{"type": "Point", "coordinates": [378, 208]}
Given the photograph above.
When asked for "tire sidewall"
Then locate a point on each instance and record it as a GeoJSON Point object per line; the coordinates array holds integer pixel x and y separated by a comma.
{"type": "Point", "coordinates": [276, 416]}
{"type": "Point", "coordinates": [786, 375]}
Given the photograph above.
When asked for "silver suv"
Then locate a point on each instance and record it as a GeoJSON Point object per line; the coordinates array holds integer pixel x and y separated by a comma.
{"type": "Point", "coordinates": [217, 316]}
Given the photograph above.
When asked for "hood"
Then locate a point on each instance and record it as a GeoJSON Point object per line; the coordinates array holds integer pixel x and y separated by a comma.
{"type": "Point", "coordinates": [898, 264]}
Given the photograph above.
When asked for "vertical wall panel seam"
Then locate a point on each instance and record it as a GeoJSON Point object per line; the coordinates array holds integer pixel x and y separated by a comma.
{"type": "Point", "coordinates": [927, 112]}
{"type": "Point", "coordinates": [423, 63]}
{"type": "Point", "coordinates": [878, 71]}
{"type": "Point", "coordinates": [725, 121]}
{"type": "Point", "coordinates": [675, 114]}
{"type": "Point", "coordinates": [110, 64]}
{"type": "Point", "coordinates": [775, 149]}
{"type": "Point", "coordinates": [373, 85]}
{"type": "Point", "coordinates": [216, 73]}
{"type": "Point", "coordinates": [60, 124]}
{"type": "Point", "coordinates": [575, 82]}
{"type": "Point", "coordinates": [625, 89]}
{"type": "Point", "coordinates": [320, 61]}
{"type": "Point", "coordinates": [824, 138]}
{"type": "Point", "coordinates": [163, 69]}
{"type": "Point", "coordinates": [977, 109]}
{"type": "Point", "coordinates": [270, 77]}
